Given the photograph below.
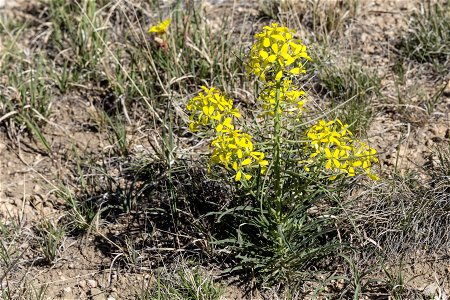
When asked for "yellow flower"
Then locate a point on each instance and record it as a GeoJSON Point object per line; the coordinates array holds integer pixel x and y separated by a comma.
{"type": "Point", "coordinates": [161, 27]}
{"type": "Point", "coordinates": [276, 53]}
{"type": "Point", "coordinates": [332, 142]}
{"type": "Point", "coordinates": [209, 108]}
{"type": "Point", "coordinates": [234, 150]}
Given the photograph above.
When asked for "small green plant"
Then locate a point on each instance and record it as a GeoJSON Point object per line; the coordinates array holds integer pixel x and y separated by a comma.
{"type": "Point", "coordinates": [428, 37]}
{"type": "Point", "coordinates": [9, 251]}
{"type": "Point", "coordinates": [51, 238]}
{"type": "Point", "coordinates": [26, 99]}
{"type": "Point", "coordinates": [285, 169]}
{"type": "Point", "coordinates": [81, 215]}
{"type": "Point", "coordinates": [117, 135]}
{"type": "Point", "coordinates": [37, 293]}
{"type": "Point", "coordinates": [182, 51]}
{"type": "Point", "coordinates": [396, 283]}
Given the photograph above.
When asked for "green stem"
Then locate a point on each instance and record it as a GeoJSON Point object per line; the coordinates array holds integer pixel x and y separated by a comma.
{"type": "Point", "coordinates": [277, 150]}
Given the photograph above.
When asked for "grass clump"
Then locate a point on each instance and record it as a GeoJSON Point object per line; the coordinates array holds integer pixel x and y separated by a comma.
{"type": "Point", "coordinates": [50, 238]}
{"type": "Point", "coordinates": [9, 251]}
{"type": "Point", "coordinates": [428, 37]}
{"type": "Point", "coordinates": [78, 27]}
{"type": "Point", "coordinates": [25, 97]}
{"type": "Point", "coordinates": [406, 217]}
{"type": "Point", "coordinates": [327, 20]}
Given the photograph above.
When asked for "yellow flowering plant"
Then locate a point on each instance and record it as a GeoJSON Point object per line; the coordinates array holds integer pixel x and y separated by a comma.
{"type": "Point", "coordinates": [231, 148]}
{"type": "Point", "coordinates": [276, 53]}
{"type": "Point", "coordinates": [291, 99]}
{"type": "Point", "coordinates": [291, 166]}
{"type": "Point", "coordinates": [276, 58]}
{"type": "Point", "coordinates": [234, 150]}
{"type": "Point", "coordinates": [209, 108]}
{"type": "Point", "coordinates": [332, 142]}
{"type": "Point", "coordinates": [159, 33]}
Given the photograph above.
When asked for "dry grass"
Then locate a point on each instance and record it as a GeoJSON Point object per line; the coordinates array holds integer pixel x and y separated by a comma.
{"type": "Point", "coordinates": [93, 113]}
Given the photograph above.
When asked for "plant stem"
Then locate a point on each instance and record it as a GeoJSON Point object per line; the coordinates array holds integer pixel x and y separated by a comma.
{"type": "Point", "coordinates": [277, 150]}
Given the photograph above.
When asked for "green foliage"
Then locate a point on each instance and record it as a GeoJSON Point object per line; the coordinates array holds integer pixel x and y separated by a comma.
{"type": "Point", "coordinates": [275, 234]}
{"type": "Point", "coordinates": [326, 20]}
{"type": "Point", "coordinates": [9, 252]}
{"type": "Point", "coordinates": [117, 136]}
{"type": "Point", "coordinates": [25, 98]}
{"type": "Point", "coordinates": [51, 237]}
{"type": "Point", "coordinates": [157, 67]}
{"type": "Point", "coordinates": [428, 37]}
{"type": "Point", "coordinates": [81, 214]}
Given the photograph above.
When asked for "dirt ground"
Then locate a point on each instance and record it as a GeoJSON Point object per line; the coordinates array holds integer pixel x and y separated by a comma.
{"type": "Point", "coordinates": [404, 134]}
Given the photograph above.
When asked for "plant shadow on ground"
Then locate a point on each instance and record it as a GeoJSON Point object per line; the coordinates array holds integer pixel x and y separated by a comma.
{"type": "Point", "coordinates": [153, 211]}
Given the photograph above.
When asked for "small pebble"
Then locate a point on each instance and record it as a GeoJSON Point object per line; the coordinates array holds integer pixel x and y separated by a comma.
{"type": "Point", "coordinates": [18, 202]}
{"type": "Point", "coordinates": [46, 211]}
{"type": "Point", "coordinates": [447, 89]}
{"type": "Point", "coordinates": [92, 283]}
{"type": "Point", "coordinates": [2, 146]}
{"type": "Point", "coordinates": [36, 188]}
{"type": "Point", "coordinates": [82, 284]}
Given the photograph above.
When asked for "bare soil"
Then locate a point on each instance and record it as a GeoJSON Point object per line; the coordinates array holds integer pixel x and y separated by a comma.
{"type": "Point", "coordinates": [404, 134]}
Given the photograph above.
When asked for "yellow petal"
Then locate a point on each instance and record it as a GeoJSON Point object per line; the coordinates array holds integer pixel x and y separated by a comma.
{"type": "Point", "coordinates": [336, 162]}
{"type": "Point", "coordinates": [295, 71]}
{"type": "Point", "coordinates": [357, 163]}
{"type": "Point", "coordinates": [271, 58]}
{"type": "Point", "coordinates": [263, 163]}
{"type": "Point", "coordinates": [160, 28]}
{"type": "Point", "coordinates": [246, 161]}
{"type": "Point", "coordinates": [279, 75]}
{"type": "Point", "coordinates": [263, 54]}
{"type": "Point", "coordinates": [373, 176]}
{"type": "Point", "coordinates": [274, 47]}
{"type": "Point", "coordinates": [351, 171]}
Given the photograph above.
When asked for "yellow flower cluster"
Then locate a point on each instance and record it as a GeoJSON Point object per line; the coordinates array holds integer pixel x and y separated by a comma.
{"type": "Point", "coordinates": [234, 150]}
{"type": "Point", "coordinates": [161, 27]}
{"type": "Point", "coordinates": [208, 108]}
{"type": "Point", "coordinates": [276, 53]}
{"type": "Point", "coordinates": [290, 98]}
{"type": "Point", "coordinates": [332, 141]}
{"type": "Point", "coordinates": [231, 147]}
